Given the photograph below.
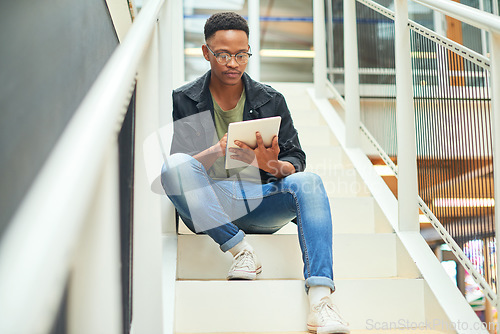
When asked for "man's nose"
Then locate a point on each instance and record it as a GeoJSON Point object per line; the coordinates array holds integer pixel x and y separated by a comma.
{"type": "Point", "coordinates": [232, 62]}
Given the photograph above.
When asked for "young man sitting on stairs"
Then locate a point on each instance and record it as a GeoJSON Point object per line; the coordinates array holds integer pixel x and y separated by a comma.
{"type": "Point", "coordinates": [260, 198]}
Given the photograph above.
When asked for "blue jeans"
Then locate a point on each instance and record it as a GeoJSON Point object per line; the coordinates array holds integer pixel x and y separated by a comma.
{"type": "Point", "coordinates": [227, 209]}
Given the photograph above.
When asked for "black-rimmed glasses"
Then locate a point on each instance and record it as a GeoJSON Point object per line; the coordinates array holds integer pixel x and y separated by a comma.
{"type": "Point", "coordinates": [224, 58]}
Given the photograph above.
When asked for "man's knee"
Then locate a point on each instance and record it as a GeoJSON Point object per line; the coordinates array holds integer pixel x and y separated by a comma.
{"type": "Point", "coordinates": [304, 182]}
{"type": "Point", "coordinates": [170, 169]}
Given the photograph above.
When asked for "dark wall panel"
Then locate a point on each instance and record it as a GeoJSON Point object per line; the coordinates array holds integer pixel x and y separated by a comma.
{"type": "Point", "coordinates": [51, 52]}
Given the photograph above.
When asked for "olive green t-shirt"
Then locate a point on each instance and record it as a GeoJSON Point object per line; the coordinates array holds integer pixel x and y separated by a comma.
{"type": "Point", "coordinates": [222, 120]}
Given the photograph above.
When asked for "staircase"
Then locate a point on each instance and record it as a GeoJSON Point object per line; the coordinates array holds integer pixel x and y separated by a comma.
{"type": "Point", "coordinates": [379, 288]}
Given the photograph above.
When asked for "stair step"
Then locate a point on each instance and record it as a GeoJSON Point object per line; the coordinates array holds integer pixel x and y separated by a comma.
{"type": "Point", "coordinates": [354, 256]}
{"type": "Point", "coordinates": [319, 157]}
{"type": "Point", "coordinates": [364, 255]}
{"type": "Point", "coordinates": [296, 96]}
{"type": "Point", "coordinates": [307, 117]}
{"type": "Point", "coordinates": [353, 214]}
{"type": "Point", "coordinates": [358, 215]}
{"type": "Point", "coordinates": [341, 182]}
{"type": "Point", "coordinates": [263, 305]}
{"type": "Point", "coordinates": [316, 135]}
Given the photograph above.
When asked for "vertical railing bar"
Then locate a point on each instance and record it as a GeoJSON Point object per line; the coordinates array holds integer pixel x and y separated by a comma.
{"type": "Point", "coordinates": [474, 145]}
{"type": "Point", "coordinates": [330, 41]}
{"type": "Point", "coordinates": [495, 7]}
{"type": "Point", "coordinates": [479, 221]}
{"type": "Point", "coordinates": [429, 111]}
{"type": "Point", "coordinates": [434, 114]}
{"type": "Point", "coordinates": [393, 106]}
{"type": "Point", "coordinates": [418, 103]}
{"type": "Point", "coordinates": [446, 104]}
{"type": "Point", "coordinates": [351, 77]}
{"type": "Point", "coordinates": [440, 172]}
{"type": "Point", "coordinates": [495, 103]}
{"type": "Point", "coordinates": [426, 91]}
{"type": "Point", "coordinates": [254, 25]}
{"type": "Point", "coordinates": [319, 48]}
{"type": "Point", "coordinates": [449, 120]}
{"type": "Point", "coordinates": [463, 185]}
{"type": "Point", "coordinates": [489, 143]}
{"type": "Point", "coordinates": [450, 114]}
{"type": "Point", "coordinates": [421, 115]}
{"type": "Point", "coordinates": [484, 40]}
{"type": "Point", "coordinates": [486, 112]}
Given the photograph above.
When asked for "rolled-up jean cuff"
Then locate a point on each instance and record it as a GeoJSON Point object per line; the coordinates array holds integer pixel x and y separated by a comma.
{"type": "Point", "coordinates": [319, 281]}
{"type": "Point", "coordinates": [233, 241]}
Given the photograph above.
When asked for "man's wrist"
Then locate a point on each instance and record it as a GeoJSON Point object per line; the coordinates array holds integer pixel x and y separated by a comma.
{"type": "Point", "coordinates": [280, 168]}
{"type": "Point", "coordinates": [216, 150]}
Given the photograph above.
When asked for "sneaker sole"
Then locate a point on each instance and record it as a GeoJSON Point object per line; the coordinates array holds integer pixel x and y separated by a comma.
{"type": "Point", "coordinates": [240, 275]}
{"type": "Point", "coordinates": [326, 330]}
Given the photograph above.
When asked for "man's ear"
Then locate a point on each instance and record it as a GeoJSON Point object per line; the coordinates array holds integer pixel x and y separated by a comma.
{"type": "Point", "coordinates": [205, 52]}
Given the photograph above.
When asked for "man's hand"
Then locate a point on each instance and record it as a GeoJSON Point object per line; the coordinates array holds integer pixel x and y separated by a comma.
{"type": "Point", "coordinates": [211, 154]}
{"type": "Point", "coordinates": [265, 158]}
{"type": "Point", "coordinates": [220, 147]}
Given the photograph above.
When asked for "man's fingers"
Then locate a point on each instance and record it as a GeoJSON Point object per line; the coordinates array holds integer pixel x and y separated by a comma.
{"type": "Point", "coordinates": [242, 145]}
{"type": "Point", "coordinates": [242, 155]}
{"type": "Point", "coordinates": [274, 144]}
{"type": "Point", "coordinates": [260, 142]}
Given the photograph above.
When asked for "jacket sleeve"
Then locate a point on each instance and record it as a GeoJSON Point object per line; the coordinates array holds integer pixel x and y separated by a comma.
{"type": "Point", "coordinates": [179, 143]}
{"type": "Point", "coordinates": [184, 127]}
{"type": "Point", "coordinates": [288, 139]}
{"type": "Point", "coordinates": [190, 135]}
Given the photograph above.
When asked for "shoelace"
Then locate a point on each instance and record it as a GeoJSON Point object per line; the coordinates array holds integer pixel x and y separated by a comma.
{"type": "Point", "coordinates": [328, 311]}
{"type": "Point", "coordinates": [244, 259]}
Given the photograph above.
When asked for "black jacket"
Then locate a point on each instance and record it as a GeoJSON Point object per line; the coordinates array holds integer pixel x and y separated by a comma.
{"type": "Point", "coordinates": [194, 125]}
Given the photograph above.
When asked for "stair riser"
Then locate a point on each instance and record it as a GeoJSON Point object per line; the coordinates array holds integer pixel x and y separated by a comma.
{"type": "Point", "coordinates": [341, 183]}
{"type": "Point", "coordinates": [355, 256]}
{"type": "Point", "coordinates": [307, 118]}
{"type": "Point", "coordinates": [353, 215]}
{"type": "Point", "coordinates": [318, 157]}
{"type": "Point", "coordinates": [267, 306]}
{"type": "Point", "coordinates": [316, 135]}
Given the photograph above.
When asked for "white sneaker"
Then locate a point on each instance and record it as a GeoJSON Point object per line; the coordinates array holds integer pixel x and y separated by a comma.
{"type": "Point", "coordinates": [245, 266]}
{"type": "Point", "coordinates": [325, 318]}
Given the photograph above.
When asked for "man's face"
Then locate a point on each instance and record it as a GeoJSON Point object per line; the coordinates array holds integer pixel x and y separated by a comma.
{"type": "Point", "coordinates": [232, 41]}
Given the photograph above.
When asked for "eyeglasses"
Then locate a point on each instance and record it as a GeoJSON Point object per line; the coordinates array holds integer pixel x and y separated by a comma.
{"type": "Point", "coordinates": [224, 58]}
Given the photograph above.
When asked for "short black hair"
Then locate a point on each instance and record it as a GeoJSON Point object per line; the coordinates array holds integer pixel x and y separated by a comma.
{"type": "Point", "coordinates": [225, 21]}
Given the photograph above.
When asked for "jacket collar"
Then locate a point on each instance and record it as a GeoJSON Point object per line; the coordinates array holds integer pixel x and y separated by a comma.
{"type": "Point", "coordinates": [256, 93]}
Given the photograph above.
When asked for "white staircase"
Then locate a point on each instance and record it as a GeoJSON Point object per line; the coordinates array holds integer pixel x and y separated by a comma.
{"type": "Point", "coordinates": [378, 285]}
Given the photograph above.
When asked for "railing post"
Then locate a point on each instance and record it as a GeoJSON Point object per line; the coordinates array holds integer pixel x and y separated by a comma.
{"type": "Point", "coordinates": [319, 48]}
{"type": "Point", "coordinates": [254, 25]}
{"type": "Point", "coordinates": [406, 133]}
{"type": "Point", "coordinates": [495, 111]}
{"type": "Point", "coordinates": [351, 77]}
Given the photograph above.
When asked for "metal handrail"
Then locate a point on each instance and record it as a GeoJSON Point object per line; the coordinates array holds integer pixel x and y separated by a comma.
{"type": "Point", "coordinates": [36, 250]}
{"type": "Point", "coordinates": [475, 17]}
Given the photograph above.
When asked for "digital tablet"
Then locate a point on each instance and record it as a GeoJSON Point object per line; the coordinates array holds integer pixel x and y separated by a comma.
{"type": "Point", "coordinates": [245, 132]}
